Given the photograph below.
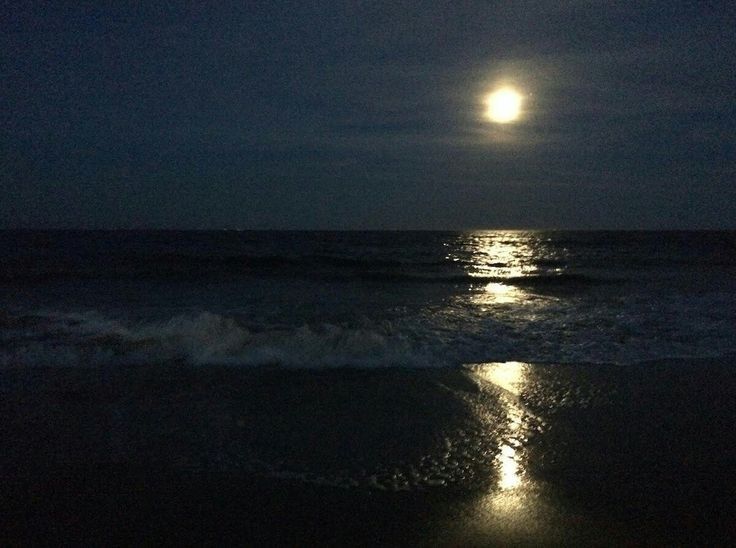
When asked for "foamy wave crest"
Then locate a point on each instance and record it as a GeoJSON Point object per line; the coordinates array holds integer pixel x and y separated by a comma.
{"type": "Point", "coordinates": [203, 339]}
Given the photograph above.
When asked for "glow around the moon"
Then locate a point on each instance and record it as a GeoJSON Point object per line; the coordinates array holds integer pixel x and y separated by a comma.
{"type": "Point", "coordinates": [503, 105]}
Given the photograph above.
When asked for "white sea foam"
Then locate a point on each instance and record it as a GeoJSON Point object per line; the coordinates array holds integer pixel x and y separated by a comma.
{"type": "Point", "coordinates": [463, 331]}
{"type": "Point", "coordinates": [203, 339]}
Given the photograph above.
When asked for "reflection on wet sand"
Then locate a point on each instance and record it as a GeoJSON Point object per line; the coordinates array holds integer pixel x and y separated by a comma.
{"type": "Point", "coordinates": [513, 504]}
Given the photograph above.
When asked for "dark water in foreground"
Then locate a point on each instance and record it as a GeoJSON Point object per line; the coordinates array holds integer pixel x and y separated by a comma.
{"type": "Point", "coordinates": [368, 388]}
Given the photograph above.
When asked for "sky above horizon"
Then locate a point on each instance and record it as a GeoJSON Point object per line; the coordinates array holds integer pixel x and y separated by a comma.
{"type": "Point", "coordinates": [359, 115]}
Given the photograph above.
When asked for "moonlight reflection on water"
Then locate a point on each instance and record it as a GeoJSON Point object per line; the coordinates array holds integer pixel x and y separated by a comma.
{"type": "Point", "coordinates": [513, 503]}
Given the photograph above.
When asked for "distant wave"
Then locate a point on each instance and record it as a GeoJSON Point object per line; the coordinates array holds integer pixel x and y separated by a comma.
{"type": "Point", "coordinates": [182, 265]}
{"type": "Point", "coordinates": [324, 267]}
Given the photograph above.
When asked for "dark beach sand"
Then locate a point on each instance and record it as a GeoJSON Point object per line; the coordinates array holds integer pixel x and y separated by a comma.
{"type": "Point", "coordinates": [509, 453]}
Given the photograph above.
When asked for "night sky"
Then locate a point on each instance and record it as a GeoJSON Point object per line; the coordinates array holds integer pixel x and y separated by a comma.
{"type": "Point", "coordinates": [359, 115]}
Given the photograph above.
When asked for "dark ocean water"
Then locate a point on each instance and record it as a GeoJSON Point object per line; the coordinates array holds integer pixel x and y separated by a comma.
{"type": "Point", "coordinates": [364, 299]}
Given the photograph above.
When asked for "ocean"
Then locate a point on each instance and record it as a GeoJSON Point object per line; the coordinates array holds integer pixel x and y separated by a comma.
{"type": "Point", "coordinates": [364, 299]}
{"type": "Point", "coordinates": [400, 388]}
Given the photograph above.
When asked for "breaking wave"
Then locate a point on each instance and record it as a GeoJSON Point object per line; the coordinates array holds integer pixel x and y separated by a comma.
{"type": "Point", "coordinates": [87, 339]}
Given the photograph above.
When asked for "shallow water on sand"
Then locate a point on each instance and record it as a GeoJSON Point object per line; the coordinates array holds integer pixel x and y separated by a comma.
{"type": "Point", "coordinates": [498, 452]}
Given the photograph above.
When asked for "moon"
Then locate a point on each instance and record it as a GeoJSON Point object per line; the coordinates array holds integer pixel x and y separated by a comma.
{"type": "Point", "coordinates": [503, 105]}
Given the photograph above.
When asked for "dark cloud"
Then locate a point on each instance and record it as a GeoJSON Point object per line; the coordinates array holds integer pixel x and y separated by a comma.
{"type": "Point", "coordinates": [368, 114]}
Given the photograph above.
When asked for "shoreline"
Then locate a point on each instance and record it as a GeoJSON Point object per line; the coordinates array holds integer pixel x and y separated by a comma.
{"type": "Point", "coordinates": [505, 453]}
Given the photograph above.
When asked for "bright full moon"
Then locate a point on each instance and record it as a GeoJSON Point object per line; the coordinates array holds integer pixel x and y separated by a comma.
{"type": "Point", "coordinates": [503, 105]}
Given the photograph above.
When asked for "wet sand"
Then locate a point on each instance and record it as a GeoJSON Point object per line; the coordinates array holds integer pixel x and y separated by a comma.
{"type": "Point", "coordinates": [499, 453]}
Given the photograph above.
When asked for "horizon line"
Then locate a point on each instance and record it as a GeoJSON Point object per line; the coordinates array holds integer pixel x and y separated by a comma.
{"type": "Point", "coordinates": [473, 229]}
